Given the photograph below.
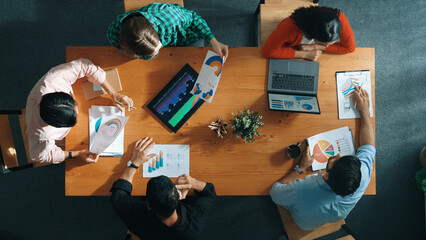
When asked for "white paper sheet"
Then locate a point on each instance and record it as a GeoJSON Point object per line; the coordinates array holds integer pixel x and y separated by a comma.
{"type": "Point", "coordinates": [329, 144]}
{"type": "Point", "coordinates": [208, 79]}
{"type": "Point", "coordinates": [106, 130]}
{"type": "Point", "coordinates": [346, 82]}
{"type": "Point", "coordinates": [171, 161]}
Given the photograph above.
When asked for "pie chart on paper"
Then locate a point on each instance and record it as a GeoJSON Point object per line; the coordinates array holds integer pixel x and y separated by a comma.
{"type": "Point", "coordinates": [324, 151]}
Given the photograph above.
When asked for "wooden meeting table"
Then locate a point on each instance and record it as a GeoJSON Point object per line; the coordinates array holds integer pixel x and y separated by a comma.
{"type": "Point", "coordinates": [234, 167]}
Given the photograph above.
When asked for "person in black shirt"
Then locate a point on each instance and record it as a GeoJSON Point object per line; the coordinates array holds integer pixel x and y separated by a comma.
{"type": "Point", "coordinates": [162, 215]}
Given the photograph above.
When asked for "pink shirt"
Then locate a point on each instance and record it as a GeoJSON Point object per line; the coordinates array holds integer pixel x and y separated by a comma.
{"type": "Point", "coordinates": [42, 136]}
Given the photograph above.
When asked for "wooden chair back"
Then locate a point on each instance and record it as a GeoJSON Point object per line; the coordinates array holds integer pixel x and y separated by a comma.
{"type": "Point", "coordinates": [274, 11]}
{"type": "Point", "coordinates": [130, 5]}
{"type": "Point", "coordinates": [9, 154]}
{"type": "Point", "coordinates": [295, 233]}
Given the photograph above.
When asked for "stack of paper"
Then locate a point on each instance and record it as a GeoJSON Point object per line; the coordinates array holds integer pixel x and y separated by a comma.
{"type": "Point", "coordinates": [106, 135]}
{"type": "Point", "coordinates": [329, 144]}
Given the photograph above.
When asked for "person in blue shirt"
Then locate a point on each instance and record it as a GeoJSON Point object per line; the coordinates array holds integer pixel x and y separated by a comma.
{"type": "Point", "coordinates": [330, 197]}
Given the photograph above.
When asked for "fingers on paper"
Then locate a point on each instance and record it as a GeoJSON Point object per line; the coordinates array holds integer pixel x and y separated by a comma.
{"type": "Point", "coordinates": [129, 102]}
{"type": "Point", "coordinates": [120, 107]}
{"type": "Point", "coordinates": [92, 157]}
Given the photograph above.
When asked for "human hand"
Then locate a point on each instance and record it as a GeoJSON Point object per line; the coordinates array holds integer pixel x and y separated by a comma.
{"type": "Point", "coordinates": [118, 97]}
{"type": "Point", "coordinates": [361, 100]}
{"type": "Point", "coordinates": [220, 48]}
{"type": "Point", "coordinates": [306, 160]}
{"type": "Point", "coordinates": [312, 47]}
{"type": "Point", "coordinates": [87, 156]}
{"type": "Point", "coordinates": [140, 152]}
{"type": "Point", "coordinates": [185, 183]}
{"type": "Point", "coordinates": [312, 55]}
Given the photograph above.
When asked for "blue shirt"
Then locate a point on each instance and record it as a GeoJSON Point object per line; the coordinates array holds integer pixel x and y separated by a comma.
{"type": "Point", "coordinates": [311, 201]}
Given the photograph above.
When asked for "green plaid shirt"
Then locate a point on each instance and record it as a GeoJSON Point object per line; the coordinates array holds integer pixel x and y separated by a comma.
{"type": "Point", "coordinates": [175, 25]}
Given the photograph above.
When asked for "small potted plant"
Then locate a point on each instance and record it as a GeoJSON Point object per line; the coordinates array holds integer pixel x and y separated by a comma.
{"type": "Point", "coordinates": [245, 124]}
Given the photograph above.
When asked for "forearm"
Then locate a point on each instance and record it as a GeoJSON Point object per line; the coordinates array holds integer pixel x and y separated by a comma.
{"type": "Point", "coordinates": [366, 133]}
{"type": "Point", "coordinates": [107, 87]}
{"type": "Point", "coordinates": [300, 54]}
{"type": "Point", "coordinates": [289, 177]}
{"type": "Point", "coordinates": [128, 174]}
{"type": "Point", "coordinates": [198, 185]}
{"type": "Point", "coordinates": [55, 156]}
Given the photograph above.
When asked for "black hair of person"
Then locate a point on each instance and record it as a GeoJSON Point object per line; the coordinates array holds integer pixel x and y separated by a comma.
{"type": "Point", "coordinates": [162, 196]}
{"type": "Point", "coordinates": [58, 109]}
{"type": "Point", "coordinates": [344, 177]}
{"type": "Point", "coordinates": [320, 23]}
{"type": "Point", "coordinates": [138, 35]}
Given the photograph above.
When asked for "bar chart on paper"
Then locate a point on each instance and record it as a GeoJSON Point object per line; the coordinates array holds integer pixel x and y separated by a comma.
{"type": "Point", "coordinates": [170, 160]}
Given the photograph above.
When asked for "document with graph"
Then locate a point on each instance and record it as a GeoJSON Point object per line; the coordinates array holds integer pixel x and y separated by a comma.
{"type": "Point", "coordinates": [346, 82]}
{"type": "Point", "coordinates": [106, 135]}
{"type": "Point", "coordinates": [171, 161]}
{"type": "Point", "coordinates": [208, 79]}
{"type": "Point", "coordinates": [329, 144]}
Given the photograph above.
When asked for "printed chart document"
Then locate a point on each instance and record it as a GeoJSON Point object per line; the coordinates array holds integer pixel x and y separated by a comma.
{"type": "Point", "coordinates": [329, 144]}
{"type": "Point", "coordinates": [106, 135]}
{"type": "Point", "coordinates": [346, 82]}
{"type": "Point", "coordinates": [171, 161]}
{"type": "Point", "coordinates": [208, 79]}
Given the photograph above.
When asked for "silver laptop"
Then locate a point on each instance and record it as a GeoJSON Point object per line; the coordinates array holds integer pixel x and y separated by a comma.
{"type": "Point", "coordinates": [293, 86]}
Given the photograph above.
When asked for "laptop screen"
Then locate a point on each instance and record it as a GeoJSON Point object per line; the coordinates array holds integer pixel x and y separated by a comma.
{"type": "Point", "coordinates": [293, 103]}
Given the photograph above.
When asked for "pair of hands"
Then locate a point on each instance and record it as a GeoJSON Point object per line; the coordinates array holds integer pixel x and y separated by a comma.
{"type": "Point", "coordinates": [184, 183]}
{"type": "Point", "coordinates": [312, 51]}
{"type": "Point", "coordinates": [220, 48]}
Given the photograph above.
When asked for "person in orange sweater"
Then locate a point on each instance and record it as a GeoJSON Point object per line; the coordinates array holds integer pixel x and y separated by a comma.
{"type": "Point", "coordinates": [308, 32]}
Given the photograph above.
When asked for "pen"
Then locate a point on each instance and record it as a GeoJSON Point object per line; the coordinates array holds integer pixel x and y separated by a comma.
{"type": "Point", "coordinates": [122, 104]}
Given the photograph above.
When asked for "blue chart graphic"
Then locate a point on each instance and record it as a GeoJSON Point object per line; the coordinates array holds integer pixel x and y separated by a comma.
{"type": "Point", "coordinates": [215, 61]}
{"type": "Point", "coordinates": [307, 106]}
{"type": "Point", "coordinates": [177, 96]}
{"type": "Point", "coordinates": [98, 124]}
{"type": "Point", "coordinates": [302, 98]}
{"type": "Point", "coordinates": [289, 104]}
{"type": "Point", "coordinates": [277, 104]}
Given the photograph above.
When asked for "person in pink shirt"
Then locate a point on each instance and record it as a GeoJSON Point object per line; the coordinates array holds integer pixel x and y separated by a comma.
{"type": "Point", "coordinates": [52, 110]}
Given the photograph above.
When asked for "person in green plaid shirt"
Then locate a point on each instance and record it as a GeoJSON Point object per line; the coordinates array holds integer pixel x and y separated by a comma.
{"type": "Point", "coordinates": [143, 32]}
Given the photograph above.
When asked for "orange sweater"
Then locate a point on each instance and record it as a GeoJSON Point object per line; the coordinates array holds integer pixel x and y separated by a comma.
{"type": "Point", "coordinates": [288, 35]}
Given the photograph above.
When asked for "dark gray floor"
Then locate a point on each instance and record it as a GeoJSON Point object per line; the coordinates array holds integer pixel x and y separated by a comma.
{"type": "Point", "coordinates": [34, 34]}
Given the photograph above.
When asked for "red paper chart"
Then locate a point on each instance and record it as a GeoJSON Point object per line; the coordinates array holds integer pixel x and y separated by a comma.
{"type": "Point", "coordinates": [324, 151]}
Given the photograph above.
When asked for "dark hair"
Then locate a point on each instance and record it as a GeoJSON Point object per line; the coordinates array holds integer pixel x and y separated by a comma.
{"type": "Point", "coordinates": [320, 23]}
{"type": "Point", "coordinates": [138, 35]}
{"type": "Point", "coordinates": [58, 109]}
{"type": "Point", "coordinates": [345, 175]}
{"type": "Point", "coordinates": [162, 196]}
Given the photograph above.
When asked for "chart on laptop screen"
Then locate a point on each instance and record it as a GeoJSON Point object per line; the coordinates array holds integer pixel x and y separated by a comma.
{"type": "Point", "coordinates": [174, 105]}
{"type": "Point", "coordinates": [293, 103]}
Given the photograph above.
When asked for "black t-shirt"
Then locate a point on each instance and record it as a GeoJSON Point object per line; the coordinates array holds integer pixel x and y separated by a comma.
{"type": "Point", "coordinates": [146, 225]}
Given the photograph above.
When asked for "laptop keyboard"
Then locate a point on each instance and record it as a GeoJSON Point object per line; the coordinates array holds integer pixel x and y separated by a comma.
{"type": "Point", "coordinates": [293, 82]}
